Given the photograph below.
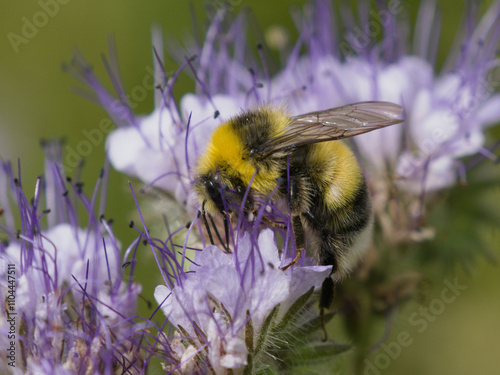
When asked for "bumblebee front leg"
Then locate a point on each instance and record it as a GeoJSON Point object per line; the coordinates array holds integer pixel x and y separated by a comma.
{"type": "Point", "coordinates": [299, 238]}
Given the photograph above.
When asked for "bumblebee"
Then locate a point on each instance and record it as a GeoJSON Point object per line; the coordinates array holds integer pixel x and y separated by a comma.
{"type": "Point", "coordinates": [299, 161]}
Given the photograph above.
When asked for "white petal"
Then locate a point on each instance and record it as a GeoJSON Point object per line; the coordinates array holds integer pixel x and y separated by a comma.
{"type": "Point", "coordinates": [236, 354]}
{"type": "Point", "coordinates": [161, 293]}
{"type": "Point", "coordinates": [267, 247]}
{"type": "Point", "coordinates": [214, 338]}
{"type": "Point", "coordinates": [124, 147]}
{"type": "Point", "coordinates": [188, 360]}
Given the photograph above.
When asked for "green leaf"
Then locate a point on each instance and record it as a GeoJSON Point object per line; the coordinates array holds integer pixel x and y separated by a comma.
{"type": "Point", "coordinates": [267, 371]}
{"type": "Point", "coordinates": [315, 353]}
{"type": "Point", "coordinates": [293, 311]}
{"type": "Point", "coordinates": [249, 333]}
{"type": "Point", "coordinates": [311, 325]}
{"type": "Point", "coordinates": [266, 329]}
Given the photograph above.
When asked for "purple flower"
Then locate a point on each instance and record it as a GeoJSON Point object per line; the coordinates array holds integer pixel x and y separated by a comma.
{"type": "Point", "coordinates": [222, 294]}
{"type": "Point", "coordinates": [72, 305]}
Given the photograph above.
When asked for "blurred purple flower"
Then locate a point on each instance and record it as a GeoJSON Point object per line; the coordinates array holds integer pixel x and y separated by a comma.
{"type": "Point", "coordinates": [447, 112]}
{"type": "Point", "coordinates": [72, 304]}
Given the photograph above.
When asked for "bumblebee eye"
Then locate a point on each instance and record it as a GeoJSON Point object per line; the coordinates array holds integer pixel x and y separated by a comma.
{"type": "Point", "coordinates": [212, 188]}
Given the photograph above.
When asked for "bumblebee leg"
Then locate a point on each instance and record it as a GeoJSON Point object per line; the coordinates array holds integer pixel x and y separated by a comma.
{"type": "Point", "coordinates": [271, 223]}
{"type": "Point", "coordinates": [325, 301]}
{"type": "Point", "coordinates": [300, 243]}
{"type": "Point", "coordinates": [331, 250]}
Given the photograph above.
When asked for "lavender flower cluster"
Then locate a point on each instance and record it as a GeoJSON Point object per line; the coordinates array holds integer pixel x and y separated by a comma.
{"type": "Point", "coordinates": [72, 303]}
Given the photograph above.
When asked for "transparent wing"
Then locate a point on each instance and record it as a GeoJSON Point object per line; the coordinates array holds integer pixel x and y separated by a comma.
{"type": "Point", "coordinates": [336, 123]}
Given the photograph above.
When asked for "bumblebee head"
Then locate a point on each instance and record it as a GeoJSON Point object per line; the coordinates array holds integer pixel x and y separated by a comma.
{"type": "Point", "coordinates": [230, 165]}
{"type": "Point", "coordinates": [221, 192]}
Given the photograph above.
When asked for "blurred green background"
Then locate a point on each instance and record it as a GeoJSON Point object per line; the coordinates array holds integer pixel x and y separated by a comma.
{"type": "Point", "coordinates": [37, 103]}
